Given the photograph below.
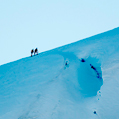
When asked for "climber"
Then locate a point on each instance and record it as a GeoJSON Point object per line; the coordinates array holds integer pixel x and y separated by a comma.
{"type": "Point", "coordinates": [36, 51]}
{"type": "Point", "coordinates": [32, 51]}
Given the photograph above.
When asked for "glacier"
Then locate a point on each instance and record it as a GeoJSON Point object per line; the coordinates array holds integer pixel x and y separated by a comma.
{"type": "Point", "coordinates": [44, 87]}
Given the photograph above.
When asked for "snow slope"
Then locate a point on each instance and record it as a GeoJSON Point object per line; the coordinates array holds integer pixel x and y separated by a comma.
{"type": "Point", "coordinates": [43, 87]}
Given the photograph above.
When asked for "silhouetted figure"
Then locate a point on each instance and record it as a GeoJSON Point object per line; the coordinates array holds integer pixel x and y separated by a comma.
{"type": "Point", "coordinates": [32, 51]}
{"type": "Point", "coordinates": [36, 51]}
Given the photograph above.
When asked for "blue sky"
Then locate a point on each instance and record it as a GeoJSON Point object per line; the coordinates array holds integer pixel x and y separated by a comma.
{"type": "Point", "coordinates": [47, 24]}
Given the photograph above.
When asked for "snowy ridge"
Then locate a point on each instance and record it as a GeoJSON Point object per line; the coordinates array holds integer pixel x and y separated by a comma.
{"type": "Point", "coordinates": [43, 87]}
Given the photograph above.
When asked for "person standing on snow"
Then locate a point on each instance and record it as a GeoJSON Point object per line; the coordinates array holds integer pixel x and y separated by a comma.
{"type": "Point", "coordinates": [36, 51]}
{"type": "Point", "coordinates": [32, 51]}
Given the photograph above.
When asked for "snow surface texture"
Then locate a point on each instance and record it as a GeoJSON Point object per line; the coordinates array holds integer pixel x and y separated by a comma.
{"type": "Point", "coordinates": [44, 87]}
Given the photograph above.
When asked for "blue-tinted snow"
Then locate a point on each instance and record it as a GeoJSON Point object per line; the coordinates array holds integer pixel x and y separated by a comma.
{"type": "Point", "coordinates": [43, 87]}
